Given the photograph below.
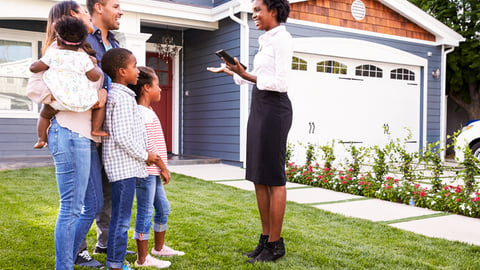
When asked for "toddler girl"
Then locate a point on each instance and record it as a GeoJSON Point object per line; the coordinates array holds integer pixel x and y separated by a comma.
{"type": "Point", "coordinates": [69, 75]}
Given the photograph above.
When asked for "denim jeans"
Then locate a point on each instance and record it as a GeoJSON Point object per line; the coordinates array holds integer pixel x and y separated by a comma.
{"type": "Point", "coordinates": [162, 207]}
{"type": "Point", "coordinates": [145, 191]}
{"type": "Point", "coordinates": [123, 192]}
{"type": "Point", "coordinates": [93, 203]}
{"type": "Point", "coordinates": [71, 154]}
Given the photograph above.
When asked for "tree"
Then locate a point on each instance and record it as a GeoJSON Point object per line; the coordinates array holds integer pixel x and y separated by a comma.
{"type": "Point", "coordinates": [463, 64]}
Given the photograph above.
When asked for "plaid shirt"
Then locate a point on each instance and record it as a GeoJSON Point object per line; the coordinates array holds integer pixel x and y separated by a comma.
{"type": "Point", "coordinates": [124, 151]}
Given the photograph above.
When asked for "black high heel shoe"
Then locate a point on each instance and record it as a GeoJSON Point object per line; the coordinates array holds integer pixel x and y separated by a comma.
{"type": "Point", "coordinates": [261, 244]}
{"type": "Point", "coordinates": [271, 252]}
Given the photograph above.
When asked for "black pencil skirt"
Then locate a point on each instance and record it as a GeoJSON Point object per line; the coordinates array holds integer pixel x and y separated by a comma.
{"type": "Point", "coordinates": [267, 130]}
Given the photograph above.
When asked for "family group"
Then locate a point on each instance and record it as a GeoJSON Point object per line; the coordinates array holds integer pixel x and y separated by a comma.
{"type": "Point", "coordinates": [108, 145]}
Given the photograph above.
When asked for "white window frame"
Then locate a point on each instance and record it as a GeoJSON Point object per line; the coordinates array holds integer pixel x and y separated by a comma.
{"type": "Point", "coordinates": [22, 36]}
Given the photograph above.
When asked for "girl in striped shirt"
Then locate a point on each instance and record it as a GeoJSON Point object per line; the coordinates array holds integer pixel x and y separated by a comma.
{"type": "Point", "coordinates": [152, 194]}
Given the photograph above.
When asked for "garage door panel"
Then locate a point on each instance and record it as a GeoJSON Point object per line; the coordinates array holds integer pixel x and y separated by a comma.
{"type": "Point", "coordinates": [353, 108]}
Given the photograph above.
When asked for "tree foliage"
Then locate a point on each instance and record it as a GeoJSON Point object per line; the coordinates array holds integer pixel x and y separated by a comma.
{"type": "Point", "coordinates": [463, 64]}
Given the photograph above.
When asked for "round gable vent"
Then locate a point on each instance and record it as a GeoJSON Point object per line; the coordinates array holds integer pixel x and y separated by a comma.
{"type": "Point", "coordinates": [358, 10]}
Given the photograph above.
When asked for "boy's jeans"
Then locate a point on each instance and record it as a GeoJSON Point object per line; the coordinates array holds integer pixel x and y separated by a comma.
{"type": "Point", "coordinates": [71, 154]}
{"type": "Point", "coordinates": [123, 192]}
{"type": "Point", "coordinates": [162, 207]}
{"type": "Point", "coordinates": [145, 190]}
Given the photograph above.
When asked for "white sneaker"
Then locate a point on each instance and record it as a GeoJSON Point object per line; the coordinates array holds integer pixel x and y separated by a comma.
{"type": "Point", "coordinates": [153, 262]}
{"type": "Point", "coordinates": [167, 252]}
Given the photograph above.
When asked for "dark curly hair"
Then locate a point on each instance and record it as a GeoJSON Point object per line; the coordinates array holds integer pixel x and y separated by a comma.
{"type": "Point", "coordinates": [115, 59]}
{"type": "Point", "coordinates": [145, 77]}
{"type": "Point", "coordinates": [282, 7]}
{"type": "Point", "coordinates": [70, 31]}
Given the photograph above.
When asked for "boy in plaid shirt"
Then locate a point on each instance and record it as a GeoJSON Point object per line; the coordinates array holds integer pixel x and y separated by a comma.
{"type": "Point", "coordinates": [124, 152]}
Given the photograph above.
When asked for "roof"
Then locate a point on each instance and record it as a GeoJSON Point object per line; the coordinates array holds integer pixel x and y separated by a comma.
{"type": "Point", "coordinates": [444, 34]}
{"type": "Point", "coordinates": [184, 15]}
{"type": "Point", "coordinates": [208, 17]}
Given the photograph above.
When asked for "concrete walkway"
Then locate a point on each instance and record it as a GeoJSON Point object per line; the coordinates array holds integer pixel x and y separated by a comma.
{"type": "Point", "coordinates": [415, 219]}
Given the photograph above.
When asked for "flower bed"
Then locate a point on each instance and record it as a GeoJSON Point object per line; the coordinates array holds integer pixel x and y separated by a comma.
{"type": "Point", "coordinates": [392, 174]}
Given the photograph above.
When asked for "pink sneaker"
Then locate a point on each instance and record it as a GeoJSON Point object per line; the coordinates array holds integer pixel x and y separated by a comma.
{"type": "Point", "coordinates": [153, 262]}
{"type": "Point", "coordinates": [167, 252]}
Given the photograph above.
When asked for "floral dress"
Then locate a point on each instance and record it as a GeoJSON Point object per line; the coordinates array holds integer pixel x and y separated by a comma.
{"type": "Point", "coordinates": [66, 78]}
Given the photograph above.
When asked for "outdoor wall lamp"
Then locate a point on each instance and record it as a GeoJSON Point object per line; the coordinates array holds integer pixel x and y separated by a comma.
{"type": "Point", "coordinates": [436, 73]}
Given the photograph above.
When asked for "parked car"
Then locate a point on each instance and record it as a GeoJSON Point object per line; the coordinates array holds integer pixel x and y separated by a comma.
{"type": "Point", "coordinates": [469, 136]}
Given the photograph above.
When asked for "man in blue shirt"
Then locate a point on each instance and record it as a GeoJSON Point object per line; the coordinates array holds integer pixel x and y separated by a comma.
{"type": "Point", "coordinates": [106, 16]}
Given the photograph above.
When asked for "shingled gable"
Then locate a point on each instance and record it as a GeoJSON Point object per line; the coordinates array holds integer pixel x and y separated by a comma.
{"type": "Point", "coordinates": [391, 17]}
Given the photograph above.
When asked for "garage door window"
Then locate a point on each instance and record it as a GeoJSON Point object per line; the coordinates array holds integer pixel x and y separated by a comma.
{"type": "Point", "coordinates": [402, 74]}
{"type": "Point", "coordinates": [369, 71]}
{"type": "Point", "coordinates": [331, 67]}
{"type": "Point", "coordinates": [299, 64]}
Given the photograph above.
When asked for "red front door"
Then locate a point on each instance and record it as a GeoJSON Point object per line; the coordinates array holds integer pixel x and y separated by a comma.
{"type": "Point", "coordinates": [163, 108]}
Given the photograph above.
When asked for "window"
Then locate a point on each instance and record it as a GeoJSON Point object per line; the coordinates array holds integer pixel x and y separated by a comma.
{"type": "Point", "coordinates": [15, 59]}
{"type": "Point", "coordinates": [299, 64]}
{"type": "Point", "coordinates": [402, 74]}
{"type": "Point", "coordinates": [331, 67]}
{"type": "Point", "coordinates": [369, 71]}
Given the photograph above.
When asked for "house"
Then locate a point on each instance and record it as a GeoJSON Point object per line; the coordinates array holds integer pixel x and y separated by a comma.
{"type": "Point", "coordinates": [360, 68]}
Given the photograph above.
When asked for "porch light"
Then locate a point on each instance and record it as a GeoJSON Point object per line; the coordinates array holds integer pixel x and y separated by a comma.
{"type": "Point", "coordinates": [167, 47]}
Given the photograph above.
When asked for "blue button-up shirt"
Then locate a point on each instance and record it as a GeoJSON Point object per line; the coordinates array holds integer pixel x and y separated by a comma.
{"type": "Point", "coordinates": [95, 40]}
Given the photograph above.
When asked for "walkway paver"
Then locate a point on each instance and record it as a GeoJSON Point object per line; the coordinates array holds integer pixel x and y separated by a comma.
{"type": "Point", "coordinates": [376, 210]}
{"type": "Point", "coordinates": [452, 227]}
{"type": "Point", "coordinates": [247, 185]}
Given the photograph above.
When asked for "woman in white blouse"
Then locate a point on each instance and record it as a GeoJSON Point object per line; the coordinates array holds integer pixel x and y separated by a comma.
{"type": "Point", "coordinates": [269, 122]}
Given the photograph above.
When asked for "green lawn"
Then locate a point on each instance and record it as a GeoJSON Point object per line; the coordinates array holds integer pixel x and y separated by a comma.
{"type": "Point", "coordinates": [214, 224]}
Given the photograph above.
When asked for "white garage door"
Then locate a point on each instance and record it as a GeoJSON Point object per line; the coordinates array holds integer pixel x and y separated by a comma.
{"type": "Point", "coordinates": [353, 101]}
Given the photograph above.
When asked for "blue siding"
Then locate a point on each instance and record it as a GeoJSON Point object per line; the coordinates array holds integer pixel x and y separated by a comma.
{"type": "Point", "coordinates": [220, 2]}
{"type": "Point", "coordinates": [17, 137]}
{"type": "Point", "coordinates": [211, 110]}
{"type": "Point", "coordinates": [191, 2]}
{"type": "Point", "coordinates": [421, 50]}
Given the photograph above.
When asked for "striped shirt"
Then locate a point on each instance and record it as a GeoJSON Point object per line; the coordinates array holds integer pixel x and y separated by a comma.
{"type": "Point", "coordinates": [125, 150]}
{"type": "Point", "coordinates": [155, 138]}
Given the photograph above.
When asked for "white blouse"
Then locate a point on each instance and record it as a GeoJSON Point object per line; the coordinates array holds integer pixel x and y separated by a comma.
{"type": "Point", "coordinates": [273, 62]}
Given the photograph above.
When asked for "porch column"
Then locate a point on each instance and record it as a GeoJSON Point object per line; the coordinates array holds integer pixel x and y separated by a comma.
{"type": "Point", "coordinates": [135, 42]}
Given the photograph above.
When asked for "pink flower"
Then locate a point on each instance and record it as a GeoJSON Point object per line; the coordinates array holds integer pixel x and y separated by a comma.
{"type": "Point", "coordinates": [414, 193]}
{"type": "Point", "coordinates": [457, 199]}
{"type": "Point", "coordinates": [417, 185]}
{"type": "Point", "coordinates": [458, 189]}
{"type": "Point", "coordinates": [325, 181]}
{"type": "Point", "coordinates": [342, 177]}
{"type": "Point", "coordinates": [326, 169]}
{"type": "Point", "coordinates": [448, 194]}
{"type": "Point", "coordinates": [395, 180]}
{"type": "Point", "coordinates": [445, 188]}
{"type": "Point", "coordinates": [349, 178]}
{"type": "Point", "coordinates": [319, 177]}
{"type": "Point", "coordinates": [329, 173]}
{"type": "Point", "coordinates": [350, 170]}
{"type": "Point", "coordinates": [344, 182]}
{"type": "Point", "coordinates": [422, 194]}
{"type": "Point", "coordinates": [361, 183]}
{"type": "Point", "coordinates": [388, 187]}
{"type": "Point", "coordinates": [388, 178]}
